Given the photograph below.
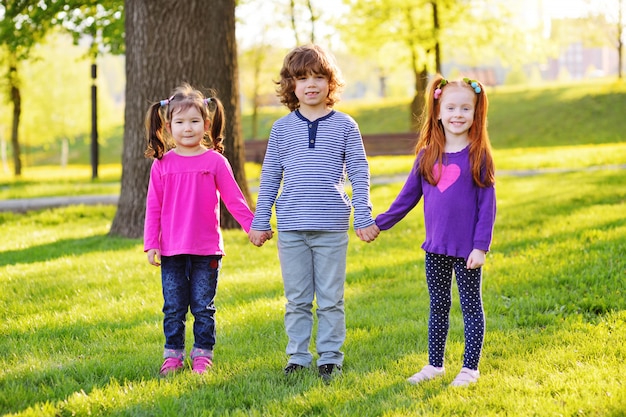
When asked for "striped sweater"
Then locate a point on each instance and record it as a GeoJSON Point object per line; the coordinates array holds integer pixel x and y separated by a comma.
{"type": "Point", "coordinates": [312, 161]}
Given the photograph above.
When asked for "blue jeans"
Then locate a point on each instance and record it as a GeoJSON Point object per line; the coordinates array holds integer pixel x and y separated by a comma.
{"type": "Point", "coordinates": [189, 283]}
{"type": "Point", "coordinates": [313, 264]}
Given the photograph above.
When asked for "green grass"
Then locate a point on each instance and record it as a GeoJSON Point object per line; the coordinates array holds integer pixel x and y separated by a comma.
{"type": "Point", "coordinates": [81, 323]}
{"type": "Point", "coordinates": [49, 181]}
{"type": "Point", "coordinates": [46, 181]}
{"type": "Point", "coordinates": [80, 311]}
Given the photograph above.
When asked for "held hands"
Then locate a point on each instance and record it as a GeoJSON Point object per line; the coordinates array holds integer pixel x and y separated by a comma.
{"type": "Point", "coordinates": [368, 234]}
{"type": "Point", "coordinates": [476, 259]}
{"type": "Point", "coordinates": [154, 257]}
{"type": "Point", "coordinates": [258, 237]}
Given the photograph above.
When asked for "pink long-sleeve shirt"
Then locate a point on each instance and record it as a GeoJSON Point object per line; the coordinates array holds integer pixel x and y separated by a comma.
{"type": "Point", "coordinates": [183, 204]}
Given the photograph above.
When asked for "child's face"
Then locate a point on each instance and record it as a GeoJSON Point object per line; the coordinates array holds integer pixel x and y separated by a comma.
{"type": "Point", "coordinates": [187, 127]}
{"type": "Point", "coordinates": [456, 110]}
{"type": "Point", "coordinates": [312, 90]}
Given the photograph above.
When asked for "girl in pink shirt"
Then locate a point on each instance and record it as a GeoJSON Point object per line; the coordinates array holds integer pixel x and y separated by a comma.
{"type": "Point", "coordinates": [182, 234]}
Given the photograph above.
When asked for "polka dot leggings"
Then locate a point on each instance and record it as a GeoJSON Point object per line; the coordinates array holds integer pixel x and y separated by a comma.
{"type": "Point", "coordinates": [439, 279]}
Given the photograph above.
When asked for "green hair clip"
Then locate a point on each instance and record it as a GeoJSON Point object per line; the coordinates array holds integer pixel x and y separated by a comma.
{"type": "Point", "coordinates": [474, 84]}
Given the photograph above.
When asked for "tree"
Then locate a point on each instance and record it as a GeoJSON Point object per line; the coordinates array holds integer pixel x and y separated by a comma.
{"type": "Point", "coordinates": [22, 25]}
{"type": "Point", "coordinates": [313, 17]}
{"type": "Point", "coordinates": [61, 109]}
{"type": "Point", "coordinates": [254, 62]}
{"type": "Point", "coordinates": [608, 20]}
{"type": "Point", "coordinates": [420, 33]}
{"type": "Point", "coordinates": [407, 30]}
{"type": "Point", "coordinates": [100, 20]}
{"type": "Point", "coordinates": [168, 43]}
{"type": "Point", "coordinates": [621, 15]}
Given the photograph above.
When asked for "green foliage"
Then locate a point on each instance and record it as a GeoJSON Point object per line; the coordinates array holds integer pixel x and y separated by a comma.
{"type": "Point", "coordinates": [24, 24]}
{"type": "Point", "coordinates": [100, 20]}
{"type": "Point", "coordinates": [62, 110]}
{"type": "Point", "coordinates": [80, 315]}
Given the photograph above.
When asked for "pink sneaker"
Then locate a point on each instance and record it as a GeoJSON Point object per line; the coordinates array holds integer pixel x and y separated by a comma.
{"type": "Point", "coordinates": [171, 365]}
{"type": "Point", "coordinates": [465, 377]}
{"type": "Point", "coordinates": [426, 374]}
{"type": "Point", "coordinates": [201, 364]}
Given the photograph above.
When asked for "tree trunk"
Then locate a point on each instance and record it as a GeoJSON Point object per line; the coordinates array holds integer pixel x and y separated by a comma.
{"type": "Point", "coordinates": [294, 26]}
{"type": "Point", "coordinates": [16, 99]}
{"type": "Point", "coordinates": [168, 43]}
{"type": "Point", "coordinates": [620, 44]}
{"type": "Point", "coordinates": [436, 30]}
{"type": "Point", "coordinates": [417, 105]}
{"type": "Point", "coordinates": [224, 76]}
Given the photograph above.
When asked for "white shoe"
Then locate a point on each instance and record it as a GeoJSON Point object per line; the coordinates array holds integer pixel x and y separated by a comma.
{"type": "Point", "coordinates": [465, 377]}
{"type": "Point", "coordinates": [427, 373]}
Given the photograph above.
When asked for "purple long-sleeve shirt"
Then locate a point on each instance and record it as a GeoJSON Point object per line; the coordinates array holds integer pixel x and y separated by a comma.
{"type": "Point", "coordinates": [458, 215]}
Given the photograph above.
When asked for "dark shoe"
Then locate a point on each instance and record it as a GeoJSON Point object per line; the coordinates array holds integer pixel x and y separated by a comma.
{"type": "Point", "coordinates": [329, 370]}
{"type": "Point", "coordinates": [293, 367]}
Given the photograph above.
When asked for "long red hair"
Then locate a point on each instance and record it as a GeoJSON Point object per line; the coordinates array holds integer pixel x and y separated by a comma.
{"type": "Point", "coordinates": [432, 139]}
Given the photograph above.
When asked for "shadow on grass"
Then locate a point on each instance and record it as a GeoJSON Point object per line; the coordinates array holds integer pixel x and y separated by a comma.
{"type": "Point", "coordinates": [65, 247]}
{"type": "Point", "coordinates": [76, 358]}
{"type": "Point", "coordinates": [386, 338]}
{"type": "Point", "coordinates": [88, 357]}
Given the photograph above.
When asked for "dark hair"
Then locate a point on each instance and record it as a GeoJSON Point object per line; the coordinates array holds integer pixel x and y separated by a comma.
{"type": "Point", "coordinates": [182, 98]}
{"type": "Point", "coordinates": [432, 139]}
{"type": "Point", "coordinates": [305, 60]}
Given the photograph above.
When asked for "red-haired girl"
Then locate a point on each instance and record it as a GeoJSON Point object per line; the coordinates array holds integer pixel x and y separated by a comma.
{"type": "Point", "coordinates": [454, 172]}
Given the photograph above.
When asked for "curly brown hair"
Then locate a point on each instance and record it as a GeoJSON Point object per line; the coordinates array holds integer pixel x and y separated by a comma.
{"type": "Point", "coordinates": [305, 60]}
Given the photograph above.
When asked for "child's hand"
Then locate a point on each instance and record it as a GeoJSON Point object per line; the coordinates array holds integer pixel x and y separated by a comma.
{"type": "Point", "coordinates": [476, 259]}
{"type": "Point", "coordinates": [258, 237]}
{"type": "Point", "coordinates": [268, 235]}
{"type": "Point", "coordinates": [154, 257]}
{"type": "Point", "coordinates": [369, 233]}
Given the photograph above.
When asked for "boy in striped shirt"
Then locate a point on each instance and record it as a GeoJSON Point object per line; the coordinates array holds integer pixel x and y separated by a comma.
{"type": "Point", "coordinates": [310, 152]}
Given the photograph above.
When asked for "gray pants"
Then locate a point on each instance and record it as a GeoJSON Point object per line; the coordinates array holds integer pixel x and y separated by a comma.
{"type": "Point", "coordinates": [313, 264]}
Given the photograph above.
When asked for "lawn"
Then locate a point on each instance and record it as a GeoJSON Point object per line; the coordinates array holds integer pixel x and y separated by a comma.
{"type": "Point", "coordinates": [81, 323]}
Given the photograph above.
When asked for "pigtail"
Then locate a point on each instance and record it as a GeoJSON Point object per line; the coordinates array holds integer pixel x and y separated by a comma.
{"type": "Point", "coordinates": [432, 139]}
{"type": "Point", "coordinates": [159, 116]}
{"type": "Point", "coordinates": [156, 145]}
{"type": "Point", "coordinates": [481, 159]}
{"type": "Point", "coordinates": [216, 132]}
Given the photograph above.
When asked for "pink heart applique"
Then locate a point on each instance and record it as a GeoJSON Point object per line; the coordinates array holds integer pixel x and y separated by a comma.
{"type": "Point", "coordinates": [449, 175]}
